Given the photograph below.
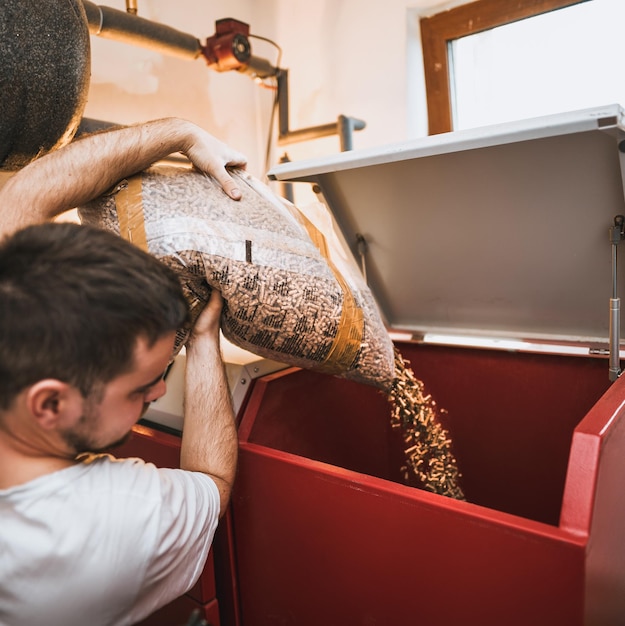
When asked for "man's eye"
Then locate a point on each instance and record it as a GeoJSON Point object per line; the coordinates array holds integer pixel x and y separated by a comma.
{"type": "Point", "coordinates": [139, 393]}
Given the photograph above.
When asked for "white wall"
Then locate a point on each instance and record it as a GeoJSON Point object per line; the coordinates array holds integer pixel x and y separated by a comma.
{"type": "Point", "coordinates": [349, 57]}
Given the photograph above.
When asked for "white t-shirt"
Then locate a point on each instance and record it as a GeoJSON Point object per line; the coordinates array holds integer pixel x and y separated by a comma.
{"type": "Point", "coordinates": [104, 542]}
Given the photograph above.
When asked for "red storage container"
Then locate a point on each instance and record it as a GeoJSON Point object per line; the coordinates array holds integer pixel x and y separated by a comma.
{"type": "Point", "coordinates": [493, 257]}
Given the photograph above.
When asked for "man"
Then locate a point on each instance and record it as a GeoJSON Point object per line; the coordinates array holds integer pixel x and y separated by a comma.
{"type": "Point", "coordinates": [87, 326]}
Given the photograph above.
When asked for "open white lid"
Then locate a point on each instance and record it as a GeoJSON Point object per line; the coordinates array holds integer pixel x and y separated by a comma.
{"type": "Point", "coordinates": [500, 231]}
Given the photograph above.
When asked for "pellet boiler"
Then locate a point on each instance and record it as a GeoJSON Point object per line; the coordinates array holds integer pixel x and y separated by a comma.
{"type": "Point", "coordinates": [493, 256]}
{"type": "Point", "coordinates": [491, 251]}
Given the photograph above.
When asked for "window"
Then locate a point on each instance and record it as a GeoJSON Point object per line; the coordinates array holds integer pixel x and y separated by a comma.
{"type": "Point", "coordinates": [485, 63]}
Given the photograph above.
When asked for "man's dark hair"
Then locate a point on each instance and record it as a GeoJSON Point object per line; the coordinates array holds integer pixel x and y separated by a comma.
{"type": "Point", "coordinates": [73, 302]}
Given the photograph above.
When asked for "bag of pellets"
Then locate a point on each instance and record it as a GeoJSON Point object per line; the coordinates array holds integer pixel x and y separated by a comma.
{"type": "Point", "coordinates": [291, 291]}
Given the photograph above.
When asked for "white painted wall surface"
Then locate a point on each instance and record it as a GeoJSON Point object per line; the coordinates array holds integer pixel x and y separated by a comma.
{"type": "Point", "coordinates": [352, 57]}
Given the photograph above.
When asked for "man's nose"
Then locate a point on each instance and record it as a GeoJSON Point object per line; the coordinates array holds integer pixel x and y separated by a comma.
{"type": "Point", "coordinates": [157, 391]}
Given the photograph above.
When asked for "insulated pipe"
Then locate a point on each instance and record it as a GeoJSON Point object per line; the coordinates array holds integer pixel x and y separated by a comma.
{"type": "Point", "coordinates": [221, 56]}
{"type": "Point", "coordinates": [45, 66]}
{"type": "Point", "coordinates": [128, 28]}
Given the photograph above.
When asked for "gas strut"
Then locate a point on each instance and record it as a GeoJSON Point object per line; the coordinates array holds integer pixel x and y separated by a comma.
{"type": "Point", "coordinates": [617, 232]}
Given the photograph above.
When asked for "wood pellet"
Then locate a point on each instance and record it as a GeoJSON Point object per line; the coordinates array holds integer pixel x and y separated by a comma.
{"type": "Point", "coordinates": [428, 453]}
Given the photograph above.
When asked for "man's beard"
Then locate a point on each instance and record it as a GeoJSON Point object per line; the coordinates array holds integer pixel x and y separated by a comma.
{"type": "Point", "coordinates": [82, 444]}
{"type": "Point", "coordinates": [80, 438]}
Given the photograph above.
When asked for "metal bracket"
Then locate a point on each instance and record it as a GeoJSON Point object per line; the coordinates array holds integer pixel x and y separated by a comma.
{"type": "Point", "coordinates": [362, 247]}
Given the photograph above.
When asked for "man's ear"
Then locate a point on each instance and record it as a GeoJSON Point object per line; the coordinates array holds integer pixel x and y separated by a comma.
{"type": "Point", "coordinates": [53, 402]}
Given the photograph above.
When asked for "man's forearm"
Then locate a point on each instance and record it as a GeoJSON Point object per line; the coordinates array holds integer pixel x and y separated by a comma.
{"type": "Point", "coordinates": [86, 168]}
{"type": "Point", "coordinates": [209, 438]}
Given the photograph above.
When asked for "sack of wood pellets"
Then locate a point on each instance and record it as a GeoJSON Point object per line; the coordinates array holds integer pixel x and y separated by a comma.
{"type": "Point", "coordinates": [291, 293]}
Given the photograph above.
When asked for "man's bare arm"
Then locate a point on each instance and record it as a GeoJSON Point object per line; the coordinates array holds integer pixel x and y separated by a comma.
{"type": "Point", "coordinates": [86, 168]}
{"type": "Point", "coordinates": [209, 437]}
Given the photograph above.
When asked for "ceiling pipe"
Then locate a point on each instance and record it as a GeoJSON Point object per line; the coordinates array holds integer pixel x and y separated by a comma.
{"type": "Point", "coordinates": [228, 49]}
{"type": "Point", "coordinates": [128, 28]}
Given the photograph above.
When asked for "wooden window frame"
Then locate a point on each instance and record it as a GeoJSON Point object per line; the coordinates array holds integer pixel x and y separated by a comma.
{"type": "Point", "coordinates": [439, 30]}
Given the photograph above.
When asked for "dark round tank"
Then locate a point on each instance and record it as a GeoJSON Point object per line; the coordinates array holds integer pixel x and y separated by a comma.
{"type": "Point", "coordinates": [44, 76]}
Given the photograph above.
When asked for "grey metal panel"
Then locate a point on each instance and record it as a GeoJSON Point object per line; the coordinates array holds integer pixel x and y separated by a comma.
{"type": "Point", "coordinates": [499, 231]}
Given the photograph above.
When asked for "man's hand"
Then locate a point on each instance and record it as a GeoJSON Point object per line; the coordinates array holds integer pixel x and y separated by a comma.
{"type": "Point", "coordinates": [86, 168]}
{"type": "Point", "coordinates": [210, 155]}
{"type": "Point", "coordinates": [207, 324]}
